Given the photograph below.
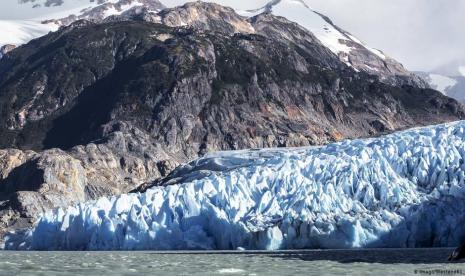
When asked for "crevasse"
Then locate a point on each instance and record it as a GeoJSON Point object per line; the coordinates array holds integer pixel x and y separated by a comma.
{"type": "Point", "coordinates": [402, 190]}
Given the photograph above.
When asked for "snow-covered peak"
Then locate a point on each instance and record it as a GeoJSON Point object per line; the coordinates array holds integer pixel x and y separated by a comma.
{"type": "Point", "coordinates": [18, 32]}
{"type": "Point", "coordinates": [462, 70]}
{"type": "Point", "coordinates": [40, 10]}
{"type": "Point", "coordinates": [450, 85]}
{"type": "Point", "coordinates": [350, 50]}
{"type": "Point", "coordinates": [30, 14]}
{"type": "Point", "coordinates": [27, 24]}
{"type": "Point", "coordinates": [441, 83]}
{"type": "Point", "coordinates": [32, 19]}
{"type": "Point", "coordinates": [299, 11]}
{"type": "Point", "coordinates": [44, 9]}
{"type": "Point", "coordinates": [106, 9]}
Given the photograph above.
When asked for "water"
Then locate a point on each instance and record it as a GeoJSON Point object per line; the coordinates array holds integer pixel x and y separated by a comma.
{"type": "Point", "coordinates": [314, 262]}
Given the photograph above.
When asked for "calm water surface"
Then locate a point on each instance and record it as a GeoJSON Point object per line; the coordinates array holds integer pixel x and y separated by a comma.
{"type": "Point", "coordinates": [314, 262]}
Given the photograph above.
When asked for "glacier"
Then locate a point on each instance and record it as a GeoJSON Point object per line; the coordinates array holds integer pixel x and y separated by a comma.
{"type": "Point", "coordinates": [402, 190]}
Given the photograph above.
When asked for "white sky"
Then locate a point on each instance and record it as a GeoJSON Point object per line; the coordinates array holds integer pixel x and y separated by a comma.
{"type": "Point", "coordinates": [422, 34]}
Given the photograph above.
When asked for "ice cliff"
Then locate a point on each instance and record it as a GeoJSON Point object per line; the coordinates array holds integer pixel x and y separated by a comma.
{"type": "Point", "coordinates": [402, 190]}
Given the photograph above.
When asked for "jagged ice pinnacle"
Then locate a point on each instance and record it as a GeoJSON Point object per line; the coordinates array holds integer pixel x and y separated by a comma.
{"type": "Point", "coordinates": [402, 190]}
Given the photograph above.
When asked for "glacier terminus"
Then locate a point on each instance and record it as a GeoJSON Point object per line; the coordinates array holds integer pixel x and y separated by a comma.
{"type": "Point", "coordinates": [402, 190]}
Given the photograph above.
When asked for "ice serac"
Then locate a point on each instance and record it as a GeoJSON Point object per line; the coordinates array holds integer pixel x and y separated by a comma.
{"type": "Point", "coordinates": [401, 190]}
{"type": "Point", "coordinates": [128, 100]}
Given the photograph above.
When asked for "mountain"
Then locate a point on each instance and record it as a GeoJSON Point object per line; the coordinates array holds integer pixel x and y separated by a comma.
{"type": "Point", "coordinates": [347, 47]}
{"type": "Point", "coordinates": [33, 19]}
{"type": "Point", "coordinates": [401, 190]}
{"type": "Point", "coordinates": [19, 32]}
{"type": "Point", "coordinates": [451, 86]}
{"type": "Point", "coordinates": [103, 106]}
{"type": "Point", "coordinates": [455, 71]}
{"type": "Point", "coordinates": [61, 83]}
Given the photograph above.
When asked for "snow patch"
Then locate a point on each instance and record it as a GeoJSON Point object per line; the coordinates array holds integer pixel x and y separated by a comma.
{"type": "Point", "coordinates": [402, 190]}
{"type": "Point", "coordinates": [37, 10]}
{"type": "Point", "coordinates": [329, 35]}
{"type": "Point", "coordinates": [441, 83]}
{"type": "Point", "coordinates": [113, 11]}
{"type": "Point", "coordinates": [297, 12]}
{"type": "Point", "coordinates": [462, 70]}
{"type": "Point", "coordinates": [29, 25]}
{"type": "Point", "coordinates": [18, 32]}
{"type": "Point", "coordinates": [372, 50]}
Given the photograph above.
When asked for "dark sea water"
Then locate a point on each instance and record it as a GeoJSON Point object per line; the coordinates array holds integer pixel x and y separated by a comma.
{"type": "Point", "coordinates": [314, 262]}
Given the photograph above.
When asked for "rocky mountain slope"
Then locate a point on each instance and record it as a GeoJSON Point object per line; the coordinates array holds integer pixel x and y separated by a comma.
{"type": "Point", "coordinates": [350, 50]}
{"type": "Point", "coordinates": [26, 20]}
{"type": "Point", "coordinates": [346, 46]}
{"type": "Point", "coordinates": [100, 108]}
{"type": "Point", "coordinates": [5, 49]}
{"type": "Point", "coordinates": [449, 79]}
{"type": "Point", "coordinates": [451, 86]}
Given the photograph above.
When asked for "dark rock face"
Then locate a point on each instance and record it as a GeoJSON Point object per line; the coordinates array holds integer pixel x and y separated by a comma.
{"type": "Point", "coordinates": [214, 17]}
{"type": "Point", "coordinates": [125, 102]}
{"type": "Point", "coordinates": [458, 254]}
{"type": "Point", "coordinates": [33, 182]}
{"type": "Point", "coordinates": [194, 91]}
{"type": "Point", "coordinates": [455, 91]}
{"type": "Point", "coordinates": [5, 49]}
